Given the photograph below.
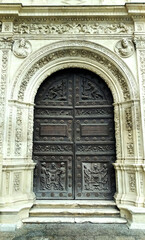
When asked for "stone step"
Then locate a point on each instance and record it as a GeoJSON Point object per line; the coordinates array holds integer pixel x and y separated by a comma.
{"type": "Point", "coordinates": [103, 220]}
{"type": "Point", "coordinates": [74, 204]}
{"type": "Point", "coordinates": [43, 212]}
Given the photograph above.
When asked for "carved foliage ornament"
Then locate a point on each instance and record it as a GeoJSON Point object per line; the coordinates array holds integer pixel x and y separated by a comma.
{"type": "Point", "coordinates": [21, 48]}
{"type": "Point", "coordinates": [79, 53]}
{"type": "Point", "coordinates": [70, 27]}
{"type": "Point", "coordinates": [124, 48]}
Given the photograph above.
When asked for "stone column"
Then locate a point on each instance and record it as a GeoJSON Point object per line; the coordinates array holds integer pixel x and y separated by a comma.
{"type": "Point", "coordinates": [130, 170]}
{"type": "Point", "coordinates": [16, 165]}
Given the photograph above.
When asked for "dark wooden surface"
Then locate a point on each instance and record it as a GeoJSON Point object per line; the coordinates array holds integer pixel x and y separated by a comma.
{"type": "Point", "coordinates": [74, 143]}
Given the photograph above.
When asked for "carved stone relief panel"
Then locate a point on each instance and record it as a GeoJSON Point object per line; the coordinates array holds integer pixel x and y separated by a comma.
{"type": "Point", "coordinates": [132, 182]}
{"type": "Point", "coordinates": [17, 181]}
{"type": "Point", "coordinates": [7, 27]}
{"type": "Point", "coordinates": [67, 26]}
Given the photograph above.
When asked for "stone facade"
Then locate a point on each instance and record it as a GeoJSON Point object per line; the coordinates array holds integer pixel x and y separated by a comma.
{"type": "Point", "coordinates": [38, 41]}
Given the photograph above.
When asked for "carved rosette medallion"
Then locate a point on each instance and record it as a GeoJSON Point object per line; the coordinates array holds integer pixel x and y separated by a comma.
{"type": "Point", "coordinates": [22, 48]}
{"type": "Point", "coordinates": [124, 48]}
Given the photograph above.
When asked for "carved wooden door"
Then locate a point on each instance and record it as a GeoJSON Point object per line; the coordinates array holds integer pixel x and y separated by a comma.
{"type": "Point", "coordinates": [74, 144]}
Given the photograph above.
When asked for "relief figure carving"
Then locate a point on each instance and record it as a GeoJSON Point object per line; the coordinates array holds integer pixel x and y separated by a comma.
{"type": "Point", "coordinates": [21, 48]}
{"type": "Point", "coordinates": [95, 177]}
{"type": "Point", "coordinates": [124, 48]}
{"type": "Point", "coordinates": [56, 92]}
{"type": "Point", "coordinates": [90, 91]}
{"type": "Point", "coordinates": [53, 176]}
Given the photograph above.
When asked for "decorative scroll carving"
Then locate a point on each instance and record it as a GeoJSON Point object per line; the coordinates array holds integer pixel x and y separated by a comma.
{"type": "Point", "coordinates": [72, 28]}
{"type": "Point", "coordinates": [7, 182]}
{"type": "Point", "coordinates": [21, 48]}
{"type": "Point", "coordinates": [9, 132]}
{"type": "Point", "coordinates": [16, 182]}
{"type": "Point", "coordinates": [117, 130]}
{"type": "Point", "coordinates": [132, 182]}
{"type": "Point", "coordinates": [4, 69]}
{"type": "Point", "coordinates": [52, 148]}
{"type": "Point", "coordinates": [77, 52]}
{"type": "Point", "coordinates": [53, 176]}
{"type": "Point", "coordinates": [124, 48]}
{"type": "Point", "coordinates": [95, 148]}
{"type": "Point", "coordinates": [30, 132]}
{"type": "Point", "coordinates": [129, 128]}
{"type": "Point", "coordinates": [95, 111]}
{"type": "Point", "coordinates": [95, 176]}
{"type": "Point", "coordinates": [53, 112]}
{"type": "Point", "coordinates": [18, 138]}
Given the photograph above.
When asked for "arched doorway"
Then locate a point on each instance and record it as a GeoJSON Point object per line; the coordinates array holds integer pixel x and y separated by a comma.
{"type": "Point", "coordinates": [74, 138]}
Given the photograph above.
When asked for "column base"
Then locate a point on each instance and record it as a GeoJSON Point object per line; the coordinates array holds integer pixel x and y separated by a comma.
{"type": "Point", "coordinates": [11, 217]}
{"type": "Point", "coordinates": [134, 215]}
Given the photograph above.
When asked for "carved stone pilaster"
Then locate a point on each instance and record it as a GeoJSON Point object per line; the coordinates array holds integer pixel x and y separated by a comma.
{"type": "Point", "coordinates": [140, 48]}
{"type": "Point", "coordinates": [3, 86]}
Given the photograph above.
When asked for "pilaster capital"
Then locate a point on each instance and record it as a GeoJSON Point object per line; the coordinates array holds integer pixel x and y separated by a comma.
{"type": "Point", "coordinates": [139, 42]}
{"type": "Point", "coordinates": [6, 43]}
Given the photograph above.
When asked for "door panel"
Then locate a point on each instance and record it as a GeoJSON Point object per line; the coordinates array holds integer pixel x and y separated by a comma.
{"type": "Point", "coordinates": [74, 145]}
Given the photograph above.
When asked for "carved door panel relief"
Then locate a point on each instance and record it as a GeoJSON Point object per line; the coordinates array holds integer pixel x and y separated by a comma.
{"type": "Point", "coordinates": [74, 145]}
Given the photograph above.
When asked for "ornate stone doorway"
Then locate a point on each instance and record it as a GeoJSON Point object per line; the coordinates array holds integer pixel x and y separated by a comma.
{"type": "Point", "coordinates": [74, 144]}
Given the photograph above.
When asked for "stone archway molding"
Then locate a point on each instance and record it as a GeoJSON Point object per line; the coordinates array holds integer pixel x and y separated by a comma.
{"type": "Point", "coordinates": [80, 51]}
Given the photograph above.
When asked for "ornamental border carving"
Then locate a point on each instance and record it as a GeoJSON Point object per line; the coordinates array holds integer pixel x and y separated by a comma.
{"type": "Point", "coordinates": [78, 50]}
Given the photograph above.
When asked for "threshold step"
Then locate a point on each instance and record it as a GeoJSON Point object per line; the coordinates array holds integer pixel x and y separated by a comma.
{"type": "Point", "coordinates": [106, 220]}
{"type": "Point", "coordinates": [73, 204]}
{"type": "Point", "coordinates": [72, 211]}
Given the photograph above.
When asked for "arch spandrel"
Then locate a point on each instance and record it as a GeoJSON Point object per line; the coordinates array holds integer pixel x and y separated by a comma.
{"type": "Point", "coordinates": [81, 54]}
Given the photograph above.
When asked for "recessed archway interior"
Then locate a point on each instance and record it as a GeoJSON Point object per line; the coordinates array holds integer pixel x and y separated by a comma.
{"type": "Point", "coordinates": [74, 137]}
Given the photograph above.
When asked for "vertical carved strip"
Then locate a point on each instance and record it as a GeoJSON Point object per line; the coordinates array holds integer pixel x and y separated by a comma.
{"type": "Point", "coordinates": [30, 132]}
{"type": "Point", "coordinates": [4, 70]}
{"type": "Point", "coordinates": [117, 131]}
{"type": "Point", "coordinates": [18, 137]}
{"type": "Point", "coordinates": [16, 181]}
{"type": "Point", "coordinates": [141, 60]}
{"type": "Point", "coordinates": [9, 133]}
{"type": "Point", "coordinates": [129, 129]}
{"type": "Point", "coordinates": [132, 182]}
{"type": "Point", "coordinates": [7, 182]}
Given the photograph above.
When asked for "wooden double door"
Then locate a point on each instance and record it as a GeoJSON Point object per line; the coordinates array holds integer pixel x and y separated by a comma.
{"type": "Point", "coordinates": [74, 143]}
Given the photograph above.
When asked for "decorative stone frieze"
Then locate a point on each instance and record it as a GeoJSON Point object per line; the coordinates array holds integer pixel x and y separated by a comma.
{"type": "Point", "coordinates": [68, 27]}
